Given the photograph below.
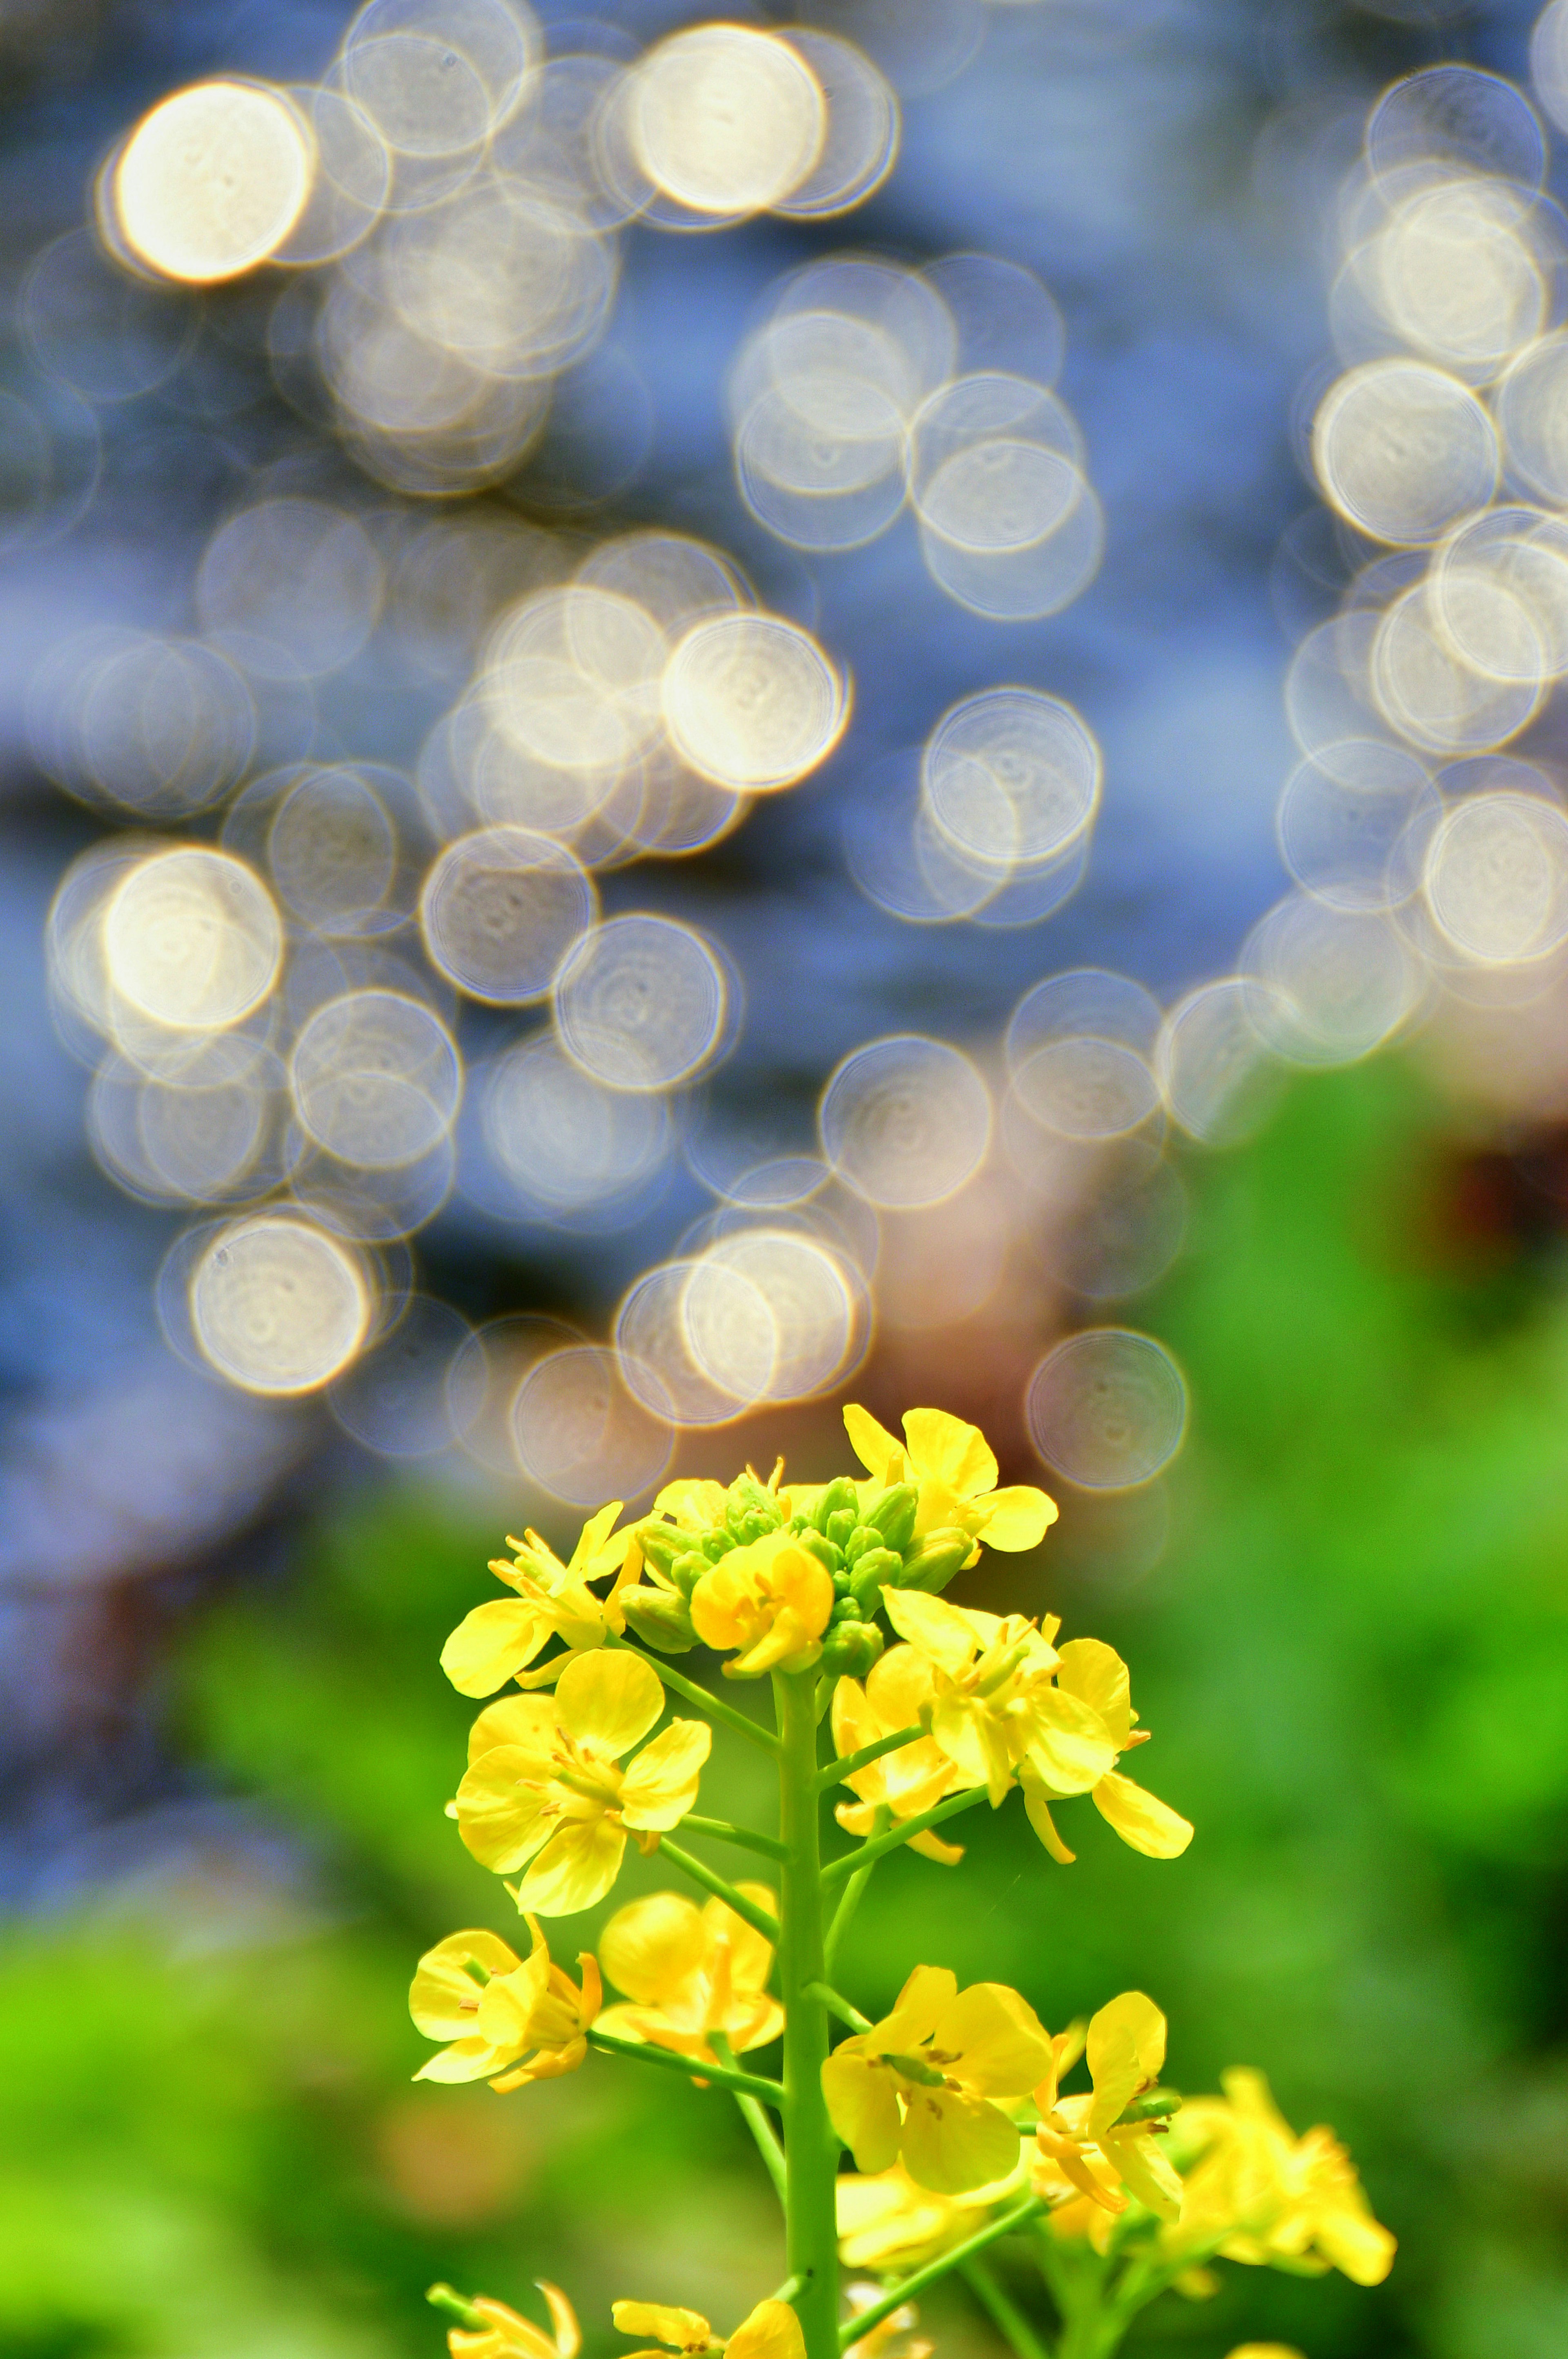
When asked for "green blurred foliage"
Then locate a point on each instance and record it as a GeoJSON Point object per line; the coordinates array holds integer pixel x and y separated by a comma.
{"type": "Point", "coordinates": [1353, 1655]}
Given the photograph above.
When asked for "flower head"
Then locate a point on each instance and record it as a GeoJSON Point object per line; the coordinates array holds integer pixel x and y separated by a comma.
{"type": "Point", "coordinates": [772, 2330]}
{"type": "Point", "coordinates": [954, 1469]}
{"type": "Point", "coordinates": [918, 2087]}
{"type": "Point", "coordinates": [888, 2224]}
{"type": "Point", "coordinates": [771, 1598]}
{"type": "Point", "coordinates": [1090, 2144]}
{"type": "Point", "coordinates": [691, 1972]}
{"type": "Point", "coordinates": [492, 1644]}
{"type": "Point", "coordinates": [1256, 2192]}
{"type": "Point", "coordinates": [502, 2334]}
{"type": "Point", "coordinates": [898, 1689]}
{"type": "Point", "coordinates": [545, 1788]}
{"type": "Point", "coordinates": [508, 2020]}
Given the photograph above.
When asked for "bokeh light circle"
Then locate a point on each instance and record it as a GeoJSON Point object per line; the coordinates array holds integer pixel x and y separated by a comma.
{"type": "Point", "coordinates": [277, 1306]}
{"type": "Point", "coordinates": [906, 1121]}
{"type": "Point", "coordinates": [1108, 1408]}
{"type": "Point", "coordinates": [211, 182]}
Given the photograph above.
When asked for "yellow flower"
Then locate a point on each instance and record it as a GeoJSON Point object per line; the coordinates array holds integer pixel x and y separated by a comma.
{"type": "Point", "coordinates": [544, 1786]}
{"type": "Point", "coordinates": [771, 2331]}
{"type": "Point", "coordinates": [1009, 1703]}
{"type": "Point", "coordinates": [954, 1470]}
{"type": "Point", "coordinates": [509, 2020]}
{"type": "Point", "coordinates": [492, 1644]}
{"type": "Point", "coordinates": [1256, 2192]}
{"type": "Point", "coordinates": [772, 1599]}
{"type": "Point", "coordinates": [1082, 2142]}
{"type": "Point", "coordinates": [1265, 2350]}
{"type": "Point", "coordinates": [918, 2086]}
{"type": "Point", "coordinates": [898, 1690]}
{"type": "Point", "coordinates": [505, 2335]}
{"type": "Point", "coordinates": [888, 2224]}
{"type": "Point", "coordinates": [691, 1972]}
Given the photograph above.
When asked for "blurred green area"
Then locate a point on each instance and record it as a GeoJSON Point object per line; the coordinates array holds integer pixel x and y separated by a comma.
{"type": "Point", "coordinates": [1353, 1655]}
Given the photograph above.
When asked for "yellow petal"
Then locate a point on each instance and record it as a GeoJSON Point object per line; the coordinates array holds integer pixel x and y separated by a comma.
{"type": "Point", "coordinates": [509, 2004]}
{"type": "Point", "coordinates": [853, 1725]}
{"type": "Point", "coordinates": [1357, 2244]}
{"type": "Point", "coordinates": [443, 2000]}
{"type": "Point", "coordinates": [944, 1634]}
{"type": "Point", "coordinates": [956, 1453]}
{"type": "Point", "coordinates": [1126, 2050]}
{"type": "Point", "coordinates": [563, 2318]}
{"type": "Point", "coordinates": [1144, 2170]}
{"type": "Point", "coordinates": [896, 1685]}
{"type": "Point", "coordinates": [951, 2142]}
{"type": "Point", "coordinates": [466, 2060]}
{"type": "Point", "coordinates": [1001, 2044]}
{"type": "Point", "coordinates": [772, 2331]}
{"type": "Point", "coordinates": [592, 1538]}
{"type": "Point", "coordinates": [660, 1786]}
{"type": "Point", "coordinates": [1068, 1743]}
{"type": "Point", "coordinates": [683, 2329]}
{"type": "Point", "coordinates": [931, 1846]}
{"type": "Point", "coordinates": [525, 1720]}
{"type": "Point", "coordinates": [609, 1700]}
{"type": "Point", "coordinates": [1097, 1676]}
{"type": "Point", "coordinates": [501, 1807]}
{"type": "Point", "coordinates": [576, 1867]}
{"type": "Point", "coordinates": [694, 1500]}
{"type": "Point", "coordinates": [1038, 1811]}
{"type": "Point", "coordinates": [1141, 1820]}
{"type": "Point", "coordinates": [863, 2106]}
{"type": "Point", "coordinates": [750, 1952]}
{"type": "Point", "coordinates": [926, 1992]}
{"type": "Point", "coordinates": [872, 1443]}
{"type": "Point", "coordinates": [650, 1947]}
{"type": "Point", "coordinates": [509, 2332]}
{"type": "Point", "coordinates": [490, 1643]}
{"type": "Point", "coordinates": [1017, 1518]}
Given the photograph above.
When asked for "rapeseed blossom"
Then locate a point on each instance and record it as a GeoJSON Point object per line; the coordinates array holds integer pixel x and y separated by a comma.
{"type": "Point", "coordinates": [954, 1470]}
{"type": "Point", "coordinates": [1086, 2141]}
{"type": "Point", "coordinates": [887, 2222]}
{"type": "Point", "coordinates": [918, 2087]}
{"type": "Point", "coordinates": [1256, 2192]}
{"type": "Point", "coordinates": [772, 1599]}
{"type": "Point", "coordinates": [898, 1689]}
{"type": "Point", "coordinates": [504, 2335]}
{"type": "Point", "coordinates": [691, 1974]}
{"type": "Point", "coordinates": [497, 1640]}
{"type": "Point", "coordinates": [508, 2020]}
{"type": "Point", "coordinates": [772, 2330]}
{"type": "Point", "coordinates": [546, 1790]}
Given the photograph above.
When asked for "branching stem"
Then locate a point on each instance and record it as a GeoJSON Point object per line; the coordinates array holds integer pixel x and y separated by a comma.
{"type": "Point", "coordinates": [919, 2278]}
{"type": "Point", "coordinates": [878, 1846]}
{"type": "Point", "coordinates": [720, 1887]}
{"type": "Point", "coordinates": [722, 2076]}
{"type": "Point", "coordinates": [746, 1837]}
{"type": "Point", "coordinates": [846, 1765]}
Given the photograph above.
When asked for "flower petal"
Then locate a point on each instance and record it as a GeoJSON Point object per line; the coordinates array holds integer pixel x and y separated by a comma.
{"type": "Point", "coordinates": [926, 1992]}
{"type": "Point", "coordinates": [443, 1999]}
{"type": "Point", "coordinates": [660, 1786]}
{"type": "Point", "coordinates": [863, 2106]}
{"type": "Point", "coordinates": [683, 2329]}
{"type": "Point", "coordinates": [1126, 2049]}
{"type": "Point", "coordinates": [591, 1541]}
{"type": "Point", "coordinates": [771, 2331]}
{"type": "Point", "coordinates": [951, 2142]}
{"type": "Point", "coordinates": [488, 1645]}
{"type": "Point", "coordinates": [956, 1453]}
{"type": "Point", "coordinates": [525, 1720]}
{"type": "Point", "coordinates": [473, 2059]}
{"type": "Point", "coordinates": [1097, 1676]}
{"type": "Point", "coordinates": [896, 1685]}
{"type": "Point", "coordinates": [1038, 1811]}
{"type": "Point", "coordinates": [1144, 2170]}
{"type": "Point", "coordinates": [944, 1634]}
{"type": "Point", "coordinates": [609, 1700]}
{"type": "Point", "coordinates": [650, 1947]}
{"type": "Point", "coordinates": [694, 1500]}
{"type": "Point", "coordinates": [1141, 1818]}
{"type": "Point", "coordinates": [872, 1443]}
{"type": "Point", "coordinates": [746, 1953]}
{"type": "Point", "coordinates": [1068, 1743]}
{"type": "Point", "coordinates": [1002, 2046]}
{"type": "Point", "coordinates": [576, 1867]}
{"type": "Point", "coordinates": [1017, 1518]}
{"type": "Point", "coordinates": [504, 1811]}
{"type": "Point", "coordinates": [563, 2318]}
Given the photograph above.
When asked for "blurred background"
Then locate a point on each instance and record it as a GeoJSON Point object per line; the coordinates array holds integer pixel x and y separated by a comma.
{"type": "Point", "coordinates": [697, 724]}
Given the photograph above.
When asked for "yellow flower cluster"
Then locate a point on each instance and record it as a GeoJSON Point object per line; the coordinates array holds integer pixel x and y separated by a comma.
{"type": "Point", "coordinates": [772, 2330]}
{"type": "Point", "coordinates": [1254, 2192]}
{"type": "Point", "coordinates": [508, 2020]}
{"type": "Point", "coordinates": [691, 1974]}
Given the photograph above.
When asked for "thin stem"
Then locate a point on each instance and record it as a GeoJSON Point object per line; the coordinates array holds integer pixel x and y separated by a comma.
{"type": "Point", "coordinates": [836, 2003]}
{"type": "Point", "coordinates": [746, 1837]}
{"type": "Point", "coordinates": [876, 1846]}
{"type": "Point", "coordinates": [848, 1763]}
{"type": "Point", "coordinates": [720, 1887]}
{"type": "Point", "coordinates": [761, 2128]}
{"type": "Point", "coordinates": [1005, 2313]}
{"type": "Point", "coordinates": [810, 2149]}
{"type": "Point", "coordinates": [442, 2296]}
{"type": "Point", "coordinates": [850, 1899]}
{"type": "Point", "coordinates": [917, 2282]}
{"type": "Point", "coordinates": [695, 2067]}
{"type": "Point", "coordinates": [714, 1706]}
{"type": "Point", "coordinates": [788, 2290]}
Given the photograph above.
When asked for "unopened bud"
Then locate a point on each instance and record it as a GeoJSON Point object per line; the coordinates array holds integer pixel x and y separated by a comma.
{"type": "Point", "coordinates": [687, 1570]}
{"type": "Point", "coordinates": [839, 1495]}
{"type": "Point", "coordinates": [851, 1648]}
{"type": "Point", "coordinates": [937, 1558]}
{"type": "Point", "coordinates": [660, 1618]}
{"type": "Point", "coordinates": [893, 1516]}
{"type": "Point", "coordinates": [873, 1570]}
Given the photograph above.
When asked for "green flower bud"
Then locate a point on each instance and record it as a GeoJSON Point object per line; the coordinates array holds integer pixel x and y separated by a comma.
{"type": "Point", "coordinates": [660, 1620]}
{"type": "Point", "coordinates": [937, 1558]}
{"type": "Point", "coordinates": [839, 1524]}
{"type": "Point", "coordinates": [823, 1550]}
{"type": "Point", "coordinates": [687, 1570]}
{"type": "Point", "coordinates": [876, 1567]}
{"type": "Point", "coordinates": [861, 1538]}
{"type": "Point", "coordinates": [893, 1516]}
{"type": "Point", "coordinates": [852, 1648]}
{"type": "Point", "coordinates": [716, 1544]}
{"type": "Point", "coordinates": [662, 1543]}
{"type": "Point", "coordinates": [840, 1494]}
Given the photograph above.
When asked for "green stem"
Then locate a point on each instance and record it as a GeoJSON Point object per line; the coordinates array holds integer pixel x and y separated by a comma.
{"type": "Point", "coordinates": [720, 1887]}
{"type": "Point", "coordinates": [848, 1763]}
{"type": "Point", "coordinates": [442, 2296]}
{"type": "Point", "coordinates": [643, 2052]}
{"type": "Point", "coordinates": [1004, 2312]}
{"type": "Point", "coordinates": [876, 1846]}
{"type": "Point", "coordinates": [810, 2146]}
{"type": "Point", "coordinates": [746, 1837]}
{"type": "Point", "coordinates": [850, 1899]}
{"type": "Point", "coordinates": [836, 2003]}
{"type": "Point", "coordinates": [757, 2123]}
{"type": "Point", "coordinates": [714, 1706]}
{"type": "Point", "coordinates": [917, 2282]}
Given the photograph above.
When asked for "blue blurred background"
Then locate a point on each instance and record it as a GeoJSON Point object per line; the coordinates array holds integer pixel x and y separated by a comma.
{"type": "Point", "coordinates": [226, 1741]}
